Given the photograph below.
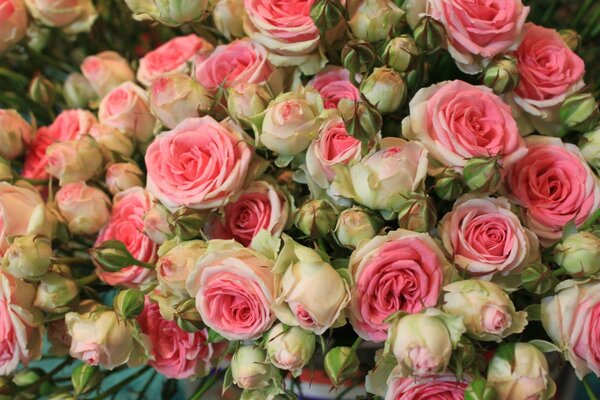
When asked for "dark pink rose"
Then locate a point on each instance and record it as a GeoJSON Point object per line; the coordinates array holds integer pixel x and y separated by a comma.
{"type": "Point", "coordinates": [438, 387]}
{"type": "Point", "coordinates": [333, 83]}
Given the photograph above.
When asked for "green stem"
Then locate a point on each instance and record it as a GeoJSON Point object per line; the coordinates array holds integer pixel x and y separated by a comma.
{"type": "Point", "coordinates": [69, 260]}
{"type": "Point", "coordinates": [34, 181]}
{"type": "Point", "coordinates": [345, 391]}
{"type": "Point", "coordinates": [206, 386]}
{"type": "Point", "coordinates": [356, 343]}
{"type": "Point", "coordinates": [588, 389]}
{"type": "Point", "coordinates": [50, 375]}
{"type": "Point", "coordinates": [559, 272]}
{"type": "Point", "coordinates": [115, 389]}
{"type": "Point", "coordinates": [86, 280]}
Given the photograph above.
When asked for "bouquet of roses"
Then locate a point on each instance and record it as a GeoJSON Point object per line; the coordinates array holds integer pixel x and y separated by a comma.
{"type": "Point", "coordinates": [402, 194]}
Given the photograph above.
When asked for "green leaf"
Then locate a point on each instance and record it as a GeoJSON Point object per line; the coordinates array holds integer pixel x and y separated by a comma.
{"type": "Point", "coordinates": [534, 312]}
{"type": "Point", "coordinates": [544, 346]}
{"type": "Point", "coordinates": [227, 380]}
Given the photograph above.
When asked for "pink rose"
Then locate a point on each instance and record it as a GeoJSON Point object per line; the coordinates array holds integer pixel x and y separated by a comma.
{"type": "Point", "coordinates": [550, 72]}
{"type": "Point", "coordinates": [287, 31]}
{"type": "Point", "coordinates": [333, 146]}
{"type": "Point", "coordinates": [457, 121]}
{"type": "Point", "coordinates": [69, 125]}
{"type": "Point", "coordinates": [241, 61]}
{"type": "Point", "coordinates": [21, 339]}
{"type": "Point", "coordinates": [485, 238]}
{"type": "Point", "coordinates": [553, 185]}
{"type": "Point", "coordinates": [126, 108]}
{"type": "Point", "coordinates": [126, 224]}
{"type": "Point", "coordinates": [199, 164]}
{"type": "Point", "coordinates": [13, 22]}
{"type": "Point", "coordinates": [85, 208]}
{"type": "Point", "coordinates": [234, 289]}
{"type": "Point", "coordinates": [260, 206]}
{"type": "Point", "coordinates": [17, 206]}
{"type": "Point", "coordinates": [173, 56]}
{"type": "Point", "coordinates": [445, 387]}
{"type": "Point", "coordinates": [402, 271]}
{"type": "Point", "coordinates": [477, 31]}
{"type": "Point", "coordinates": [105, 71]}
{"type": "Point", "coordinates": [334, 85]}
{"type": "Point", "coordinates": [175, 353]}
{"type": "Point", "coordinates": [15, 134]}
{"type": "Point", "coordinates": [572, 320]}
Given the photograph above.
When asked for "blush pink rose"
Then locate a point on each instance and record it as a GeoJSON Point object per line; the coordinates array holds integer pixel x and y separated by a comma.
{"type": "Point", "coordinates": [15, 134]}
{"type": "Point", "coordinates": [485, 238]}
{"type": "Point", "coordinates": [126, 225]}
{"type": "Point", "coordinates": [241, 61]}
{"type": "Point", "coordinates": [234, 289]}
{"type": "Point", "coordinates": [479, 30]}
{"type": "Point", "coordinates": [457, 121]}
{"type": "Point", "coordinates": [286, 29]}
{"type": "Point", "coordinates": [402, 271]}
{"type": "Point", "coordinates": [18, 203]}
{"type": "Point", "coordinates": [333, 83]}
{"type": "Point", "coordinates": [105, 71]}
{"type": "Point", "coordinates": [13, 22]}
{"type": "Point", "coordinates": [176, 353]}
{"type": "Point", "coordinates": [260, 206]}
{"type": "Point", "coordinates": [173, 56]}
{"type": "Point", "coordinates": [126, 108]}
{"type": "Point", "coordinates": [442, 387]}
{"type": "Point", "coordinates": [199, 164]}
{"type": "Point", "coordinates": [553, 185]}
{"type": "Point", "coordinates": [333, 146]}
{"type": "Point", "coordinates": [20, 334]}
{"type": "Point", "coordinates": [572, 320]}
{"type": "Point", "coordinates": [69, 125]}
{"type": "Point", "coordinates": [550, 72]}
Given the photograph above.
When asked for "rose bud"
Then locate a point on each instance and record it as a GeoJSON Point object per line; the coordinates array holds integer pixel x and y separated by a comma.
{"type": "Point", "coordinates": [429, 34]}
{"type": "Point", "coordinates": [176, 97]}
{"type": "Point", "coordinates": [418, 214]}
{"type": "Point", "coordinates": [143, 9]}
{"type": "Point", "coordinates": [313, 295]}
{"type": "Point", "coordinates": [6, 173]}
{"type": "Point", "coordinates": [487, 311]}
{"type": "Point", "coordinates": [228, 18]}
{"type": "Point", "coordinates": [449, 185]}
{"type": "Point", "coordinates": [589, 144]}
{"type": "Point", "coordinates": [187, 223]}
{"type": "Point", "coordinates": [482, 174]}
{"type": "Point", "coordinates": [85, 209]}
{"type": "Point", "coordinates": [538, 279]}
{"type": "Point", "coordinates": [129, 303]}
{"type": "Point", "coordinates": [71, 16]}
{"type": "Point", "coordinates": [401, 53]}
{"type": "Point", "coordinates": [480, 389]}
{"type": "Point", "coordinates": [15, 134]}
{"type": "Point", "coordinates": [423, 343]}
{"type": "Point", "coordinates": [326, 14]}
{"type": "Point", "coordinates": [340, 364]}
{"type": "Point", "coordinates": [112, 142]}
{"type": "Point", "coordinates": [245, 101]}
{"type": "Point", "coordinates": [580, 112]}
{"type": "Point", "coordinates": [374, 20]}
{"type": "Point", "coordinates": [42, 91]}
{"type": "Point", "coordinates": [250, 368]}
{"type": "Point", "coordinates": [56, 294]}
{"type": "Point", "coordinates": [126, 108]}
{"type": "Point", "coordinates": [362, 120]}
{"type": "Point", "coordinates": [358, 56]}
{"type": "Point", "coordinates": [355, 225]}
{"type": "Point", "coordinates": [292, 121]}
{"type": "Point", "coordinates": [571, 38]}
{"type": "Point", "coordinates": [156, 224]}
{"type": "Point", "coordinates": [100, 337]}
{"type": "Point", "coordinates": [78, 91]}
{"type": "Point", "coordinates": [122, 176]}
{"type": "Point", "coordinates": [13, 20]}
{"type": "Point", "coordinates": [86, 378]}
{"type": "Point", "coordinates": [316, 218]}
{"type": "Point", "coordinates": [105, 71]}
{"type": "Point", "coordinates": [385, 89]}
{"type": "Point", "coordinates": [177, 12]}
{"type": "Point", "coordinates": [502, 75]}
{"type": "Point", "coordinates": [174, 267]}
{"type": "Point", "coordinates": [579, 254]}
{"type": "Point", "coordinates": [27, 376]}
{"type": "Point", "coordinates": [28, 257]}
{"type": "Point", "coordinates": [290, 348]}
{"type": "Point", "coordinates": [74, 160]}
{"type": "Point", "coordinates": [187, 316]}
{"type": "Point", "coordinates": [520, 371]}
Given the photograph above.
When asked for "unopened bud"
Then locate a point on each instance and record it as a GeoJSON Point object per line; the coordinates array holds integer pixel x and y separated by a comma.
{"type": "Point", "coordinates": [28, 257]}
{"type": "Point", "coordinates": [42, 91]}
{"type": "Point", "coordinates": [429, 34]}
{"type": "Point", "coordinates": [482, 174]}
{"type": "Point", "coordinates": [247, 100]}
{"type": "Point", "coordinates": [316, 218]}
{"type": "Point", "coordinates": [571, 38]}
{"type": "Point", "coordinates": [156, 224]}
{"type": "Point", "coordinates": [112, 142]}
{"type": "Point", "coordinates": [589, 144]}
{"type": "Point", "coordinates": [449, 185]}
{"type": "Point", "coordinates": [374, 20]}
{"type": "Point", "coordinates": [340, 364]}
{"type": "Point", "coordinates": [78, 92]}
{"type": "Point", "coordinates": [417, 214]}
{"type": "Point", "coordinates": [326, 14]}
{"type": "Point", "coordinates": [362, 120]}
{"type": "Point", "coordinates": [502, 75]}
{"type": "Point", "coordinates": [27, 376]}
{"type": "Point", "coordinates": [579, 254]}
{"type": "Point", "coordinates": [358, 56]}
{"type": "Point", "coordinates": [355, 225]}
{"type": "Point", "coordinates": [86, 378]}
{"type": "Point", "coordinates": [122, 176]}
{"type": "Point", "coordinates": [129, 303]}
{"type": "Point", "coordinates": [580, 112]}
{"type": "Point", "coordinates": [74, 160]}
{"type": "Point", "coordinates": [187, 223]}
{"type": "Point", "coordinates": [177, 12]}
{"type": "Point", "coordinates": [187, 316]}
{"type": "Point", "coordinates": [480, 389]}
{"type": "Point", "coordinates": [249, 367]}
{"type": "Point", "coordinates": [401, 53]}
{"type": "Point", "coordinates": [385, 89]}
{"type": "Point", "coordinates": [112, 256]}
{"type": "Point", "coordinates": [56, 294]}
